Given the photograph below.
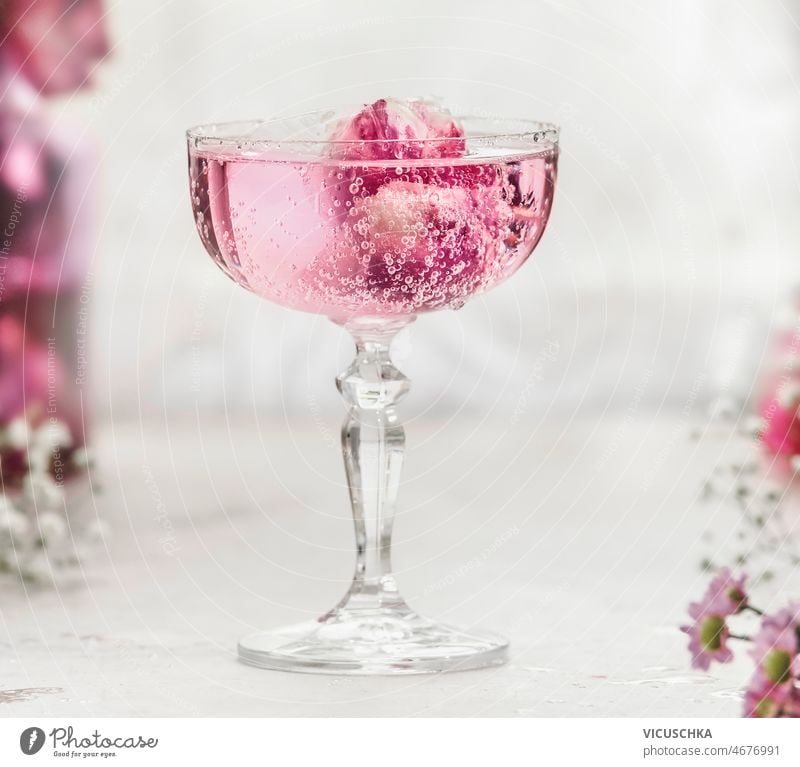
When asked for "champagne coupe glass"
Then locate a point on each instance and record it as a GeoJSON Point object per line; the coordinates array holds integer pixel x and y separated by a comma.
{"type": "Point", "coordinates": [371, 243]}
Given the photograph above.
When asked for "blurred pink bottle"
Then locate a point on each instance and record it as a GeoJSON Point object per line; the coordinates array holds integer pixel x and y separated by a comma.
{"type": "Point", "coordinates": [48, 48]}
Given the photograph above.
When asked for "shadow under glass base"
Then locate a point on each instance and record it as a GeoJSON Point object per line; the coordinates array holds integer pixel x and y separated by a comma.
{"type": "Point", "coordinates": [376, 641]}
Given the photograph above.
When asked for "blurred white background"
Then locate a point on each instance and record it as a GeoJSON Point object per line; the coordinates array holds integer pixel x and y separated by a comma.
{"type": "Point", "coordinates": [672, 247]}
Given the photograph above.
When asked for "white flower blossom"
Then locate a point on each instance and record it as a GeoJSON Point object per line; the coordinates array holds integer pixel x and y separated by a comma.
{"type": "Point", "coordinates": [789, 395]}
{"type": "Point", "coordinates": [54, 434]}
{"type": "Point", "coordinates": [40, 493]}
{"type": "Point", "coordinates": [17, 433]}
{"type": "Point", "coordinates": [97, 530]}
{"type": "Point", "coordinates": [40, 458]}
{"type": "Point", "coordinates": [35, 537]}
{"type": "Point", "coordinates": [37, 566]}
{"type": "Point", "coordinates": [753, 426]}
{"type": "Point", "coordinates": [52, 527]}
{"type": "Point", "coordinates": [14, 525]}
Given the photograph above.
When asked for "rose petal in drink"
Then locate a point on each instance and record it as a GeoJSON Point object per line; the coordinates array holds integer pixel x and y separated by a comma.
{"type": "Point", "coordinates": [389, 129]}
{"type": "Point", "coordinates": [418, 243]}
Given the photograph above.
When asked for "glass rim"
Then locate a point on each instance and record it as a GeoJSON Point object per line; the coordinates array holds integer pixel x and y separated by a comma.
{"type": "Point", "coordinates": [535, 132]}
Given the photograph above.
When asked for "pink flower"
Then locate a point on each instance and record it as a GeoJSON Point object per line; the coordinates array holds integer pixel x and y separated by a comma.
{"type": "Point", "coordinates": [765, 700]}
{"type": "Point", "coordinates": [416, 233]}
{"type": "Point", "coordinates": [776, 649]}
{"type": "Point", "coordinates": [389, 129]}
{"type": "Point", "coordinates": [23, 165]}
{"type": "Point", "coordinates": [726, 595]}
{"type": "Point", "coordinates": [791, 708]}
{"type": "Point", "coordinates": [55, 47]}
{"type": "Point", "coordinates": [708, 634]}
{"type": "Point", "coordinates": [441, 125]}
{"type": "Point", "coordinates": [781, 415]}
{"type": "Point", "coordinates": [707, 637]}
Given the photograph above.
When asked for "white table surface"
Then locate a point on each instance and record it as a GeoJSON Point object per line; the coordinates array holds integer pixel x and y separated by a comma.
{"type": "Point", "coordinates": [581, 542]}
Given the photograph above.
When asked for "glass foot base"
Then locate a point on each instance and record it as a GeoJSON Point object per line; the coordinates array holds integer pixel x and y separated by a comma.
{"type": "Point", "coordinates": [373, 642]}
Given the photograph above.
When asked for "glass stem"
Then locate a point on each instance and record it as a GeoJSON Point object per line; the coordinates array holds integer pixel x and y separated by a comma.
{"type": "Point", "coordinates": [373, 444]}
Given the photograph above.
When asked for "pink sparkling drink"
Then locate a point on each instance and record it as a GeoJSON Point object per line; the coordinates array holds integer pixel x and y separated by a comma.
{"type": "Point", "coordinates": [372, 216]}
{"type": "Point", "coordinates": [364, 237]}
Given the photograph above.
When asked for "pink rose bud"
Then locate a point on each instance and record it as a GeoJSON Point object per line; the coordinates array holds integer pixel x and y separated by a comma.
{"type": "Point", "coordinates": [389, 129]}
{"type": "Point", "coordinates": [421, 228]}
